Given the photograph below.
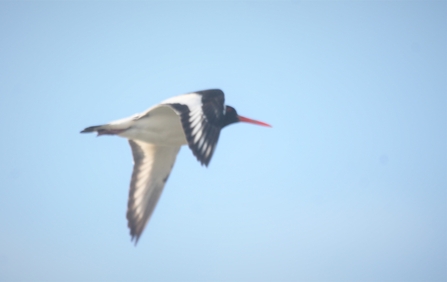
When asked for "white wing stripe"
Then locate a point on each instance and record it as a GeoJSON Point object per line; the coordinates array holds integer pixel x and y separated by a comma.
{"type": "Point", "coordinates": [195, 114]}
{"type": "Point", "coordinates": [197, 136]}
{"type": "Point", "coordinates": [195, 125]}
{"type": "Point", "coordinates": [208, 151]}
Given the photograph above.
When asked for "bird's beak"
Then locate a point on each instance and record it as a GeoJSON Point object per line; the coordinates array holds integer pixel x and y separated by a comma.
{"type": "Point", "coordinates": [249, 120]}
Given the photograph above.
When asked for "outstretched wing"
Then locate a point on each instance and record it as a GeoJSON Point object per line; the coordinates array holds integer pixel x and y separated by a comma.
{"type": "Point", "coordinates": [152, 166]}
{"type": "Point", "coordinates": [202, 115]}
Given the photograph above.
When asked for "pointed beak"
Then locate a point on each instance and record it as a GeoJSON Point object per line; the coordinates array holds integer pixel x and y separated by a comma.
{"type": "Point", "coordinates": [249, 120]}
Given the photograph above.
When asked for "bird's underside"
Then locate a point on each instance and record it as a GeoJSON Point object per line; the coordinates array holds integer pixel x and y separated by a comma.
{"type": "Point", "coordinates": [152, 166]}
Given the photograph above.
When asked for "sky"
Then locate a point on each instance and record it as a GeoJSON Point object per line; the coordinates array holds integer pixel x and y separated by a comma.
{"type": "Point", "coordinates": [350, 183]}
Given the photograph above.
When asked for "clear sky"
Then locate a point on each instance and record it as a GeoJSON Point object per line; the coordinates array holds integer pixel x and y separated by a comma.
{"type": "Point", "coordinates": [350, 184]}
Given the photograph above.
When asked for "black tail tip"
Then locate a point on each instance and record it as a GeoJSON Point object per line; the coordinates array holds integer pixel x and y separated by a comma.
{"type": "Point", "coordinates": [90, 129]}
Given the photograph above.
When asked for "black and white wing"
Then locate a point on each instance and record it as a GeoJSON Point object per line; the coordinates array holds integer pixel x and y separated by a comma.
{"type": "Point", "coordinates": [152, 166]}
{"type": "Point", "coordinates": [202, 115]}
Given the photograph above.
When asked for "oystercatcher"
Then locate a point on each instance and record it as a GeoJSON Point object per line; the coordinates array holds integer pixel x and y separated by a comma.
{"type": "Point", "coordinates": [155, 138]}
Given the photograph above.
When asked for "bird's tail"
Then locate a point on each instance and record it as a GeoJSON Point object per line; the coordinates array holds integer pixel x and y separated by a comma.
{"type": "Point", "coordinates": [106, 129]}
{"type": "Point", "coordinates": [91, 129]}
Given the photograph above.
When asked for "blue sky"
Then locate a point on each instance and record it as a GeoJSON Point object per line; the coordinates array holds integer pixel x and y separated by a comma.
{"type": "Point", "coordinates": [350, 184]}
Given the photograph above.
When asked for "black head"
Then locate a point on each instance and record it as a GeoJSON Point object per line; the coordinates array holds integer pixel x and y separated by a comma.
{"type": "Point", "coordinates": [231, 116]}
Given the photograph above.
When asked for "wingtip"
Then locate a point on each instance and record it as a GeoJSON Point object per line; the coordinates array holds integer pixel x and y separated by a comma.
{"type": "Point", "coordinates": [134, 239]}
{"type": "Point", "coordinates": [203, 162]}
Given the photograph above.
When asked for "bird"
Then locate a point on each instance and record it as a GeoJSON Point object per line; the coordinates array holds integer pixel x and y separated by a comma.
{"type": "Point", "coordinates": [155, 137]}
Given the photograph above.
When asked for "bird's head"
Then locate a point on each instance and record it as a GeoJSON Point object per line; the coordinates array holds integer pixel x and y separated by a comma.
{"type": "Point", "coordinates": [231, 116]}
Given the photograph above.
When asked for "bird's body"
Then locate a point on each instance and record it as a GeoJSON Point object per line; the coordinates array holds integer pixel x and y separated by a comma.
{"type": "Point", "coordinates": [158, 125]}
{"type": "Point", "coordinates": [155, 137]}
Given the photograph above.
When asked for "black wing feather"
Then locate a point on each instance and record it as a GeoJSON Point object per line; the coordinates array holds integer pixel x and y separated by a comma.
{"type": "Point", "coordinates": [209, 127]}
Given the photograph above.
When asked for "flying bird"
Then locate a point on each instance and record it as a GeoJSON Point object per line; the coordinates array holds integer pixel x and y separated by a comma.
{"type": "Point", "coordinates": [155, 137]}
